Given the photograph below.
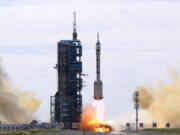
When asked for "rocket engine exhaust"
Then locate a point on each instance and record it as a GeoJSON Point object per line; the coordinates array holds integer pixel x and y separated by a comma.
{"type": "Point", "coordinates": [93, 118]}
{"type": "Point", "coordinates": [98, 85]}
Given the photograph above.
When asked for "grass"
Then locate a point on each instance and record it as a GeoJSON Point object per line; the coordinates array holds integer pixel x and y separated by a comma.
{"type": "Point", "coordinates": [164, 130]}
{"type": "Point", "coordinates": [27, 132]}
{"type": "Point", "coordinates": [43, 131]}
{"type": "Point", "coordinates": [11, 132]}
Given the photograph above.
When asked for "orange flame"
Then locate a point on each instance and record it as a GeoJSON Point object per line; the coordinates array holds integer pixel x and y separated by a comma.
{"type": "Point", "coordinates": [91, 123]}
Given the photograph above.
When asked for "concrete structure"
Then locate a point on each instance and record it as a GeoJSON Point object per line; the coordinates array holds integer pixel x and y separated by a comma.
{"type": "Point", "coordinates": [67, 107]}
{"type": "Point", "coordinates": [98, 85]}
{"type": "Point", "coordinates": [14, 126]}
{"type": "Point", "coordinates": [28, 126]}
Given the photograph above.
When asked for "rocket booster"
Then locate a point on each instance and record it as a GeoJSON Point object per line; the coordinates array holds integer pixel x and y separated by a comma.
{"type": "Point", "coordinates": [98, 85]}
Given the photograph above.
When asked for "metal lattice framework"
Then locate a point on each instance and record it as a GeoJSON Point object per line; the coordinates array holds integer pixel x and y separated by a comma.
{"type": "Point", "coordinates": [68, 98]}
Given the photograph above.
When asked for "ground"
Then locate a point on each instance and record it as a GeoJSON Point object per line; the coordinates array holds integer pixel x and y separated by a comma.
{"type": "Point", "coordinates": [164, 130]}
{"type": "Point", "coordinates": [45, 132]}
{"type": "Point", "coordinates": [26, 132]}
{"type": "Point", "coordinates": [160, 131]}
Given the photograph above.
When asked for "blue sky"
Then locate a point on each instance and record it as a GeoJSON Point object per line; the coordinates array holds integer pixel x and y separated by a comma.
{"type": "Point", "coordinates": [140, 41]}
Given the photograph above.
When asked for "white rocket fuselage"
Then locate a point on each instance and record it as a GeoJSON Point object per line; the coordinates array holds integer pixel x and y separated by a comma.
{"type": "Point", "coordinates": [98, 85]}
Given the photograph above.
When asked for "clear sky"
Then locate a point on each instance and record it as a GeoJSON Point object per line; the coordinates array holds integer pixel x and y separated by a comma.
{"type": "Point", "coordinates": [140, 41]}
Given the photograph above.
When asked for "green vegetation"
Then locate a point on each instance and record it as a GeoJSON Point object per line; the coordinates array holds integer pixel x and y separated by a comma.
{"type": "Point", "coordinates": [164, 130]}
{"type": "Point", "coordinates": [26, 132]}
{"type": "Point", "coordinates": [11, 132]}
{"type": "Point", "coordinates": [43, 131]}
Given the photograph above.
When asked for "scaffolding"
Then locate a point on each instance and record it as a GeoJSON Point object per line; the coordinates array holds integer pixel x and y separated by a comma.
{"type": "Point", "coordinates": [68, 99]}
{"type": "Point", "coordinates": [52, 109]}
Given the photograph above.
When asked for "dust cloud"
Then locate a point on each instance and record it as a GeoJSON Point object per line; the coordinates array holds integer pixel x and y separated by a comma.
{"type": "Point", "coordinates": [16, 106]}
{"type": "Point", "coordinates": [162, 103]}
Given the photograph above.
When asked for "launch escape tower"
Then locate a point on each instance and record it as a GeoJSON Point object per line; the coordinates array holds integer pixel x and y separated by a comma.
{"type": "Point", "coordinates": [68, 98]}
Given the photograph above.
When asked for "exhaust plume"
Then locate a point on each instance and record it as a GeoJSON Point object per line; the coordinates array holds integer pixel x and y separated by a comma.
{"type": "Point", "coordinates": [93, 118]}
{"type": "Point", "coordinates": [100, 109]}
{"type": "Point", "coordinates": [162, 103]}
{"type": "Point", "coordinates": [16, 106]}
{"type": "Point", "coordinates": [88, 115]}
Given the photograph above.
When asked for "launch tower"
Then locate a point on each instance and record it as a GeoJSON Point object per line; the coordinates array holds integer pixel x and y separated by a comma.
{"type": "Point", "coordinates": [68, 98]}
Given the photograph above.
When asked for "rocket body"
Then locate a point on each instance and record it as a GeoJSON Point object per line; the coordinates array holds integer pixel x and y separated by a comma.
{"type": "Point", "coordinates": [98, 90]}
{"type": "Point", "coordinates": [98, 85]}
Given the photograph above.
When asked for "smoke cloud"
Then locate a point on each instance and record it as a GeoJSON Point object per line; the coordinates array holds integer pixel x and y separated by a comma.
{"type": "Point", "coordinates": [162, 102]}
{"type": "Point", "coordinates": [16, 106]}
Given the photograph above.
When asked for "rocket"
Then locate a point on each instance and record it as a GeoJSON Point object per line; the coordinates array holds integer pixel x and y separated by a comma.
{"type": "Point", "coordinates": [98, 85]}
